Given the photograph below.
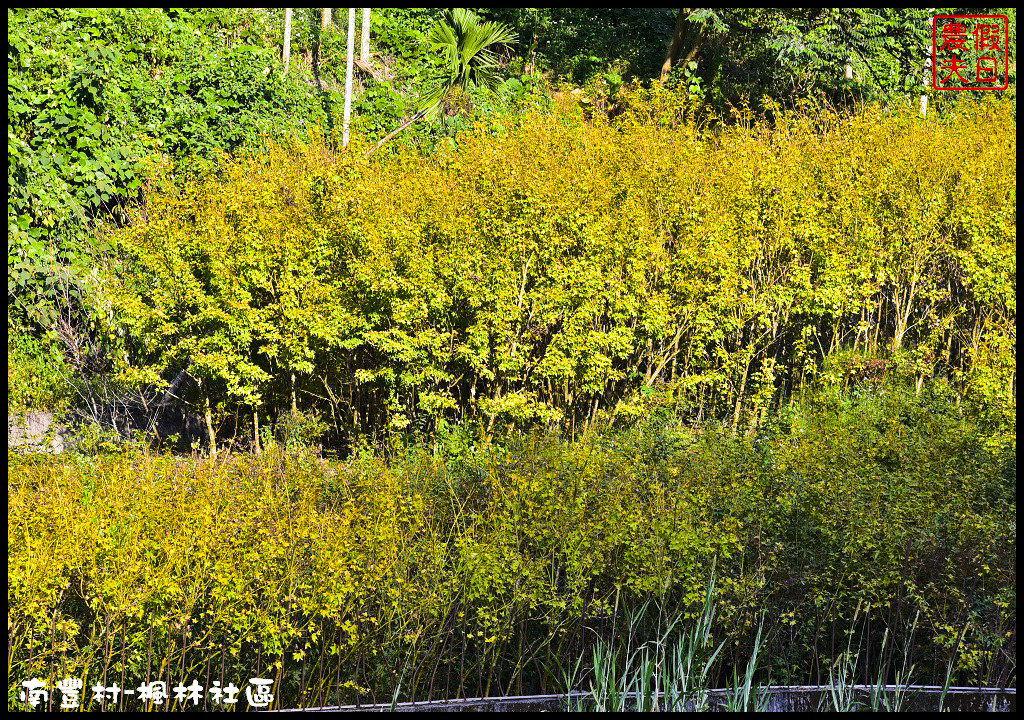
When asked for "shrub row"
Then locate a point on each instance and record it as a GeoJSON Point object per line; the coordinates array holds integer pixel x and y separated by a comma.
{"type": "Point", "coordinates": [460, 569]}
{"type": "Point", "coordinates": [556, 271]}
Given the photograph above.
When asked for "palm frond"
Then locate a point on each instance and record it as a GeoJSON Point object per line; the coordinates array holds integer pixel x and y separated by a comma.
{"type": "Point", "coordinates": [466, 47]}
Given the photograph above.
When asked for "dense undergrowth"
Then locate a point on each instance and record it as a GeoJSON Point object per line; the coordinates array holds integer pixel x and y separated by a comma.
{"type": "Point", "coordinates": [577, 360]}
{"type": "Point", "coordinates": [464, 568]}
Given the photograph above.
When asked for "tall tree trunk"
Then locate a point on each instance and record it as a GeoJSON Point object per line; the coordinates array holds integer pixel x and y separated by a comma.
{"type": "Point", "coordinates": [364, 44]}
{"type": "Point", "coordinates": [927, 82]}
{"type": "Point", "coordinates": [679, 34]}
{"type": "Point", "coordinates": [287, 37]}
{"type": "Point", "coordinates": [325, 19]}
{"type": "Point", "coordinates": [349, 59]}
{"type": "Point", "coordinates": [676, 45]}
{"type": "Point", "coordinates": [927, 77]}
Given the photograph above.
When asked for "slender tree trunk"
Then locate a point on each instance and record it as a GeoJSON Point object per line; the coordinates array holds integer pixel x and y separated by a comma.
{"type": "Point", "coordinates": [739, 396]}
{"type": "Point", "coordinates": [903, 315]}
{"type": "Point", "coordinates": [394, 132]}
{"type": "Point", "coordinates": [325, 19]}
{"type": "Point", "coordinates": [364, 44]}
{"type": "Point", "coordinates": [256, 430]}
{"type": "Point", "coordinates": [287, 37]}
{"type": "Point", "coordinates": [949, 345]}
{"type": "Point", "coordinates": [349, 59]}
{"type": "Point", "coordinates": [208, 417]}
{"type": "Point", "coordinates": [879, 309]}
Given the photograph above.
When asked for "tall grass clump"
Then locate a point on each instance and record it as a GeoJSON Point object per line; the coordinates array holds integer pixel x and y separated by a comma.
{"type": "Point", "coordinates": [672, 671]}
{"type": "Point", "coordinates": [669, 672]}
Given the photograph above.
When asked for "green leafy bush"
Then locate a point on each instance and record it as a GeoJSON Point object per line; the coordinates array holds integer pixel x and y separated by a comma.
{"type": "Point", "coordinates": [37, 376]}
{"type": "Point", "coordinates": [92, 93]}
